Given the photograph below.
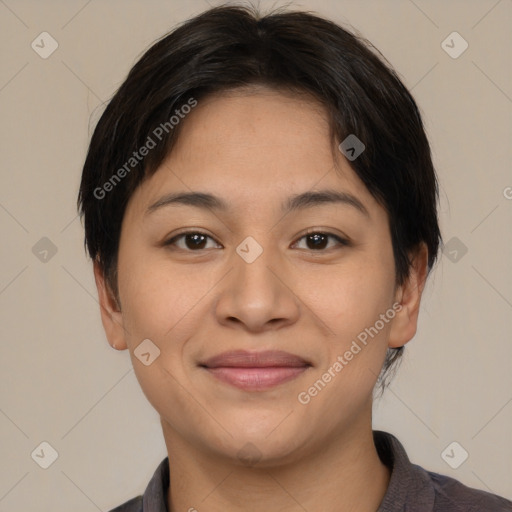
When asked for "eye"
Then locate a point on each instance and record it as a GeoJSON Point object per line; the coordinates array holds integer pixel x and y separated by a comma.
{"type": "Point", "coordinates": [317, 240]}
{"type": "Point", "coordinates": [193, 240]}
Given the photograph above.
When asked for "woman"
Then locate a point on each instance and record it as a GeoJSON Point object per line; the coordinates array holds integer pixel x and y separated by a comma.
{"type": "Point", "coordinates": [260, 205]}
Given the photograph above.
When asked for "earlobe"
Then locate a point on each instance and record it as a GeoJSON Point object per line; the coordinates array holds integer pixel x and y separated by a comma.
{"type": "Point", "coordinates": [408, 295]}
{"type": "Point", "coordinates": [111, 315]}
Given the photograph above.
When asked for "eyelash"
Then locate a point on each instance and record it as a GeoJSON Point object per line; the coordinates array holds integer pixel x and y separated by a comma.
{"type": "Point", "coordinates": [341, 241]}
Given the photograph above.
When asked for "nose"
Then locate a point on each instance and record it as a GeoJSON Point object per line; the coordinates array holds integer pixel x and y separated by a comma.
{"type": "Point", "coordinates": [257, 293]}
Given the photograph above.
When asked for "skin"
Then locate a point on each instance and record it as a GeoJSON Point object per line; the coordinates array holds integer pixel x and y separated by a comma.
{"type": "Point", "coordinates": [254, 149]}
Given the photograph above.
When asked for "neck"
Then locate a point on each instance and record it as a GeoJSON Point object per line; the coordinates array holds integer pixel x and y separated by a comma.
{"type": "Point", "coordinates": [346, 475]}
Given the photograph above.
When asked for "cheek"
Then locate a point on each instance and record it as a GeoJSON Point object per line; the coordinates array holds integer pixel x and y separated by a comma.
{"type": "Point", "coordinates": [350, 297]}
{"type": "Point", "coordinates": [350, 301]}
{"type": "Point", "coordinates": [163, 305]}
{"type": "Point", "coordinates": [351, 305]}
{"type": "Point", "coordinates": [156, 296]}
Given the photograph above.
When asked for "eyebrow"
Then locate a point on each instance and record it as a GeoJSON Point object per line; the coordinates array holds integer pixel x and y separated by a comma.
{"type": "Point", "coordinates": [301, 201]}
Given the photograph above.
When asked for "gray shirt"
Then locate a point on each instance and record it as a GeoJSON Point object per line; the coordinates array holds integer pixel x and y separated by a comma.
{"type": "Point", "coordinates": [411, 488]}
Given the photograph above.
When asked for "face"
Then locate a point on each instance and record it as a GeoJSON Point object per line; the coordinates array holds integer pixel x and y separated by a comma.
{"type": "Point", "coordinates": [265, 272]}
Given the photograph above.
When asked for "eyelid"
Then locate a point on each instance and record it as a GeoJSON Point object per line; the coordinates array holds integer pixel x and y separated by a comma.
{"type": "Point", "coordinates": [188, 231]}
{"type": "Point", "coordinates": [342, 238]}
{"type": "Point", "coordinates": [341, 242]}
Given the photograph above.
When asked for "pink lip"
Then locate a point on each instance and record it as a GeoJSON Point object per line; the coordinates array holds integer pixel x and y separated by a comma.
{"type": "Point", "coordinates": [255, 371]}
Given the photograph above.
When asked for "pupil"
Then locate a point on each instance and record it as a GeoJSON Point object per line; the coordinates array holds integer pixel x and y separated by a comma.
{"type": "Point", "coordinates": [316, 237]}
{"type": "Point", "coordinates": [196, 238]}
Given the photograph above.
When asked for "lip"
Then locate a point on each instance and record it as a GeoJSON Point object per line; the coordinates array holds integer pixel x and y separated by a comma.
{"type": "Point", "coordinates": [255, 371]}
{"type": "Point", "coordinates": [261, 359]}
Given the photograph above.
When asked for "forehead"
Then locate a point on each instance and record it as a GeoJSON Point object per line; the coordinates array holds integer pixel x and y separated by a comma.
{"type": "Point", "coordinates": [255, 125]}
{"type": "Point", "coordinates": [254, 146]}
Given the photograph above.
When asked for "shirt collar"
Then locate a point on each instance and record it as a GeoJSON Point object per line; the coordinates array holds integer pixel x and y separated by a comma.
{"type": "Point", "coordinates": [409, 483]}
{"type": "Point", "coordinates": [155, 495]}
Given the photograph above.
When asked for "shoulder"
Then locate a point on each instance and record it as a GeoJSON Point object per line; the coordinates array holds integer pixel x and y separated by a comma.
{"type": "Point", "coordinates": [133, 505]}
{"type": "Point", "coordinates": [413, 488]}
{"type": "Point", "coordinates": [154, 497]}
{"type": "Point", "coordinates": [452, 495]}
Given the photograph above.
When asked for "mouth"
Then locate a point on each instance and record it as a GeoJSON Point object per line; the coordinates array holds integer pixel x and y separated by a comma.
{"type": "Point", "coordinates": [255, 371]}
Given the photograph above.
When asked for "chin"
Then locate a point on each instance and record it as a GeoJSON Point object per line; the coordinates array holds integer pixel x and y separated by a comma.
{"type": "Point", "coordinates": [265, 444]}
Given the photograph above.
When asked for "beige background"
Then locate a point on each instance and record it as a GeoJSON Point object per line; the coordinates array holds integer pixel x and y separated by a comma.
{"type": "Point", "coordinates": [63, 384]}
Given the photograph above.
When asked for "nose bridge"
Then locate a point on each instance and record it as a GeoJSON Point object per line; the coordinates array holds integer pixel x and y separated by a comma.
{"type": "Point", "coordinates": [254, 294]}
{"type": "Point", "coordinates": [252, 261]}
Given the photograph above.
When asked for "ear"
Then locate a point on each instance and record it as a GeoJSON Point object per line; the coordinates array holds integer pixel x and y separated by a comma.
{"type": "Point", "coordinates": [111, 315]}
{"type": "Point", "coordinates": [408, 295]}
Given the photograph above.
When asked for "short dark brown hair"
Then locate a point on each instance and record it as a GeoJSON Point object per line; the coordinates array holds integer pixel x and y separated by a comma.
{"type": "Point", "coordinates": [230, 47]}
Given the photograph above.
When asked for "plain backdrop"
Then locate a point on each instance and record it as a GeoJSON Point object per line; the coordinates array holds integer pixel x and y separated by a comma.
{"type": "Point", "coordinates": [62, 384]}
